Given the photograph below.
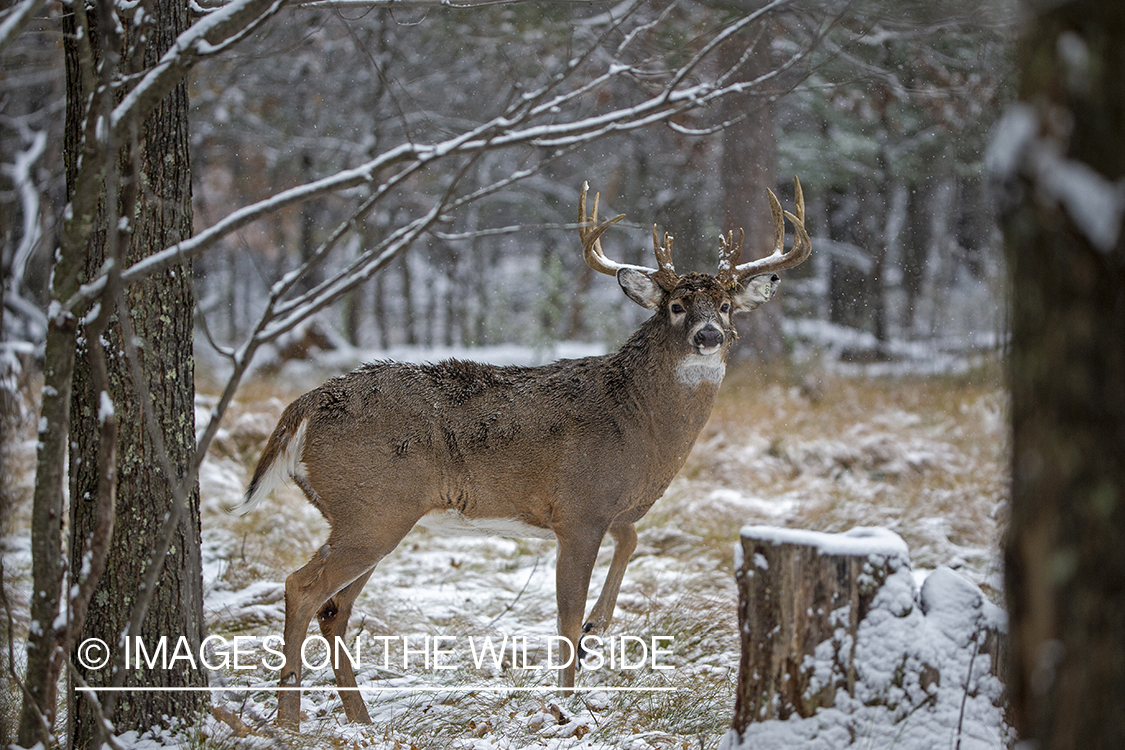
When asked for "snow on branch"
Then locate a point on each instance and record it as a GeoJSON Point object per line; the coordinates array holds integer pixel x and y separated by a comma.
{"type": "Point", "coordinates": [1094, 203]}
{"type": "Point", "coordinates": [18, 17]}
{"type": "Point", "coordinates": [520, 126]}
{"type": "Point", "coordinates": [210, 35]}
{"type": "Point", "coordinates": [726, 34]}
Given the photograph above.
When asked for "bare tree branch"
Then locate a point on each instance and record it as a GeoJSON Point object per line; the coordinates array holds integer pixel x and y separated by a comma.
{"type": "Point", "coordinates": [657, 108]}
{"type": "Point", "coordinates": [103, 724]}
{"type": "Point", "coordinates": [212, 34]}
{"type": "Point", "coordinates": [19, 172]}
{"type": "Point", "coordinates": [18, 17]}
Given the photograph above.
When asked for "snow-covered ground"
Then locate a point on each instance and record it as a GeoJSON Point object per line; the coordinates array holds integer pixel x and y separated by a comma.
{"type": "Point", "coordinates": [925, 458]}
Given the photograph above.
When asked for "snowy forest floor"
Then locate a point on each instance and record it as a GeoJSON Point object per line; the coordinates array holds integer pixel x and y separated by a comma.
{"type": "Point", "coordinates": [925, 457]}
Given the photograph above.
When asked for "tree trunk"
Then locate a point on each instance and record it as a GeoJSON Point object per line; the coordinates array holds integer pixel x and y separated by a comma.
{"type": "Point", "coordinates": [849, 287]}
{"type": "Point", "coordinates": [1065, 571]}
{"type": "Point", "coordinates": [9, 418]}
{"type": "Point", "coordinates": [45, 651]}
{"type": "Point", "coordinates": [379, 311]}
{"type": "Point", "coordinates": [306, 230]}
{"type": "Point", "coordinates": [161, 312]}
{"type": "Point", "coordinates": [749, 167]}
{"type": "Point", "coordinates": [881, 217]}
{"type": "Point", "coordinates": [914, 255]}
{"type": "Point", "coordinates": [789, 595]}
{"type": "Point", "coordinates": [897, 198]}
{"type": "Point", "coordinates": [408, 318]}
{"type": "Point", "coordinates": [936, 274]}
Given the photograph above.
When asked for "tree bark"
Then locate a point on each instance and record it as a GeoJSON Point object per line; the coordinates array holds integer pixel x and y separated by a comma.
{"type": "Point", "coordinates": [160, 315]}
{"type": "Point", "coordinates": [45, 649]}
{"type": "Point", "coordinates": [790, 596]}
{"type": "Point", "coordinates": [749, 166]}
{"type": "Point", "coordinates": [1064, 568]}
{"type": "Point", "coordinates": [936, 269]}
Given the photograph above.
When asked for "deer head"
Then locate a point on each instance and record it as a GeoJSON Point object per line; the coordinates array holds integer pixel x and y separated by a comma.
{"type": "Point", "coordinates": [698, 304]}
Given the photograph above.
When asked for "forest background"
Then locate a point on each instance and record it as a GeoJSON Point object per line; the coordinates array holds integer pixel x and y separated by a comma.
{"type": "Point", "coordinates": [884, 109]}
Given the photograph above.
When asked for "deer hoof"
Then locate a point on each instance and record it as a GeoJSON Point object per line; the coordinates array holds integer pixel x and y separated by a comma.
{"type": "Point", "coordinates": [587, 628]}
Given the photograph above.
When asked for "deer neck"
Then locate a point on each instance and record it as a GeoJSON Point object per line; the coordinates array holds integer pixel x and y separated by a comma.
{"type": "Point", "coordinates": [681, 388]}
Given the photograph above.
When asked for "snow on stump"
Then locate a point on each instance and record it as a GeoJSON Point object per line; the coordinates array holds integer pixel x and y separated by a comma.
{"type": "Point", "coordinates": [839, 644]}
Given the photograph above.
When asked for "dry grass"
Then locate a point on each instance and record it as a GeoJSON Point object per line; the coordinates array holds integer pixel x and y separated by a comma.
{"type": "Point", "coordinates": [926, 457]}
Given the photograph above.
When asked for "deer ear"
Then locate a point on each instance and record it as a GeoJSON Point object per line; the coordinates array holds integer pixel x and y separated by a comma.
{"type": "Point", "coordinates": [640, 288]}
{"type": "Point", "coordinates": [755, 291]}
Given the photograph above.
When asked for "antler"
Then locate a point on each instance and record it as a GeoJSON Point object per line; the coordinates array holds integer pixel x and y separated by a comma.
{"type": "Point", "coordinates": [731, 272]}
{"type": "Point", "coordinates": [665, 274]}
{"type": "Point", "coordinates": [590, 232]}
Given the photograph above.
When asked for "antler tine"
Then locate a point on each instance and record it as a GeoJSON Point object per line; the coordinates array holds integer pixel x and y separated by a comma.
{"type": "Point", "coordinates": [778, 223]}
{"type": "Point", "coordinates": [780, 260]}
{"type": "Point", "coordinates": [590, 232]}
{"type": "Point", "coordinates": [665, 275]}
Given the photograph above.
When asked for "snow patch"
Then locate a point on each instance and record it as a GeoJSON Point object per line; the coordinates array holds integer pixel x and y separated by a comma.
{"type": "Point", "coordinates": [106, 411]}
{"type": "Point", "coordinates": [861, 541]}
{"type": "Point", "coordinates": [726, 500]}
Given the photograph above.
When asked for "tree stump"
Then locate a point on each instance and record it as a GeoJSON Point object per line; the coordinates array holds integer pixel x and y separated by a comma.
{"type": "Point", "coordinates": [836, 621]}
{"type": "Point", "coordinates": [798, 589]}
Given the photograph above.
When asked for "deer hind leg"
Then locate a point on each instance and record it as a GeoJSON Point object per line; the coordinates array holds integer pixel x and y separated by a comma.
{"type": "Point", "coordinates": [333, 621]}
{"type": "Point", "coordinates": [345, 559]}
{"type": "Point", "coordinates": [625, 542]}
{"type": "Point", "coordinates": [572, 581]}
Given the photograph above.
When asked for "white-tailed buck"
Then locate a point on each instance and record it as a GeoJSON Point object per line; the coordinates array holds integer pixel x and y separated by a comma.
{"type": "Point", "coordinates": [571, 450]}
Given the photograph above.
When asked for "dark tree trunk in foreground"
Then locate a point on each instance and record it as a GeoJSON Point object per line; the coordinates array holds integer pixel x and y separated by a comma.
{"type": "Point", "coordinates": [1065, 566]}
{"type": "Point", "coordinates": [160, 310]}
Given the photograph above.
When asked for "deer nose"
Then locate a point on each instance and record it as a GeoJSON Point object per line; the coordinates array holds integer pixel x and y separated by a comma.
{"type": "Point", "coordinates": [708, 337]}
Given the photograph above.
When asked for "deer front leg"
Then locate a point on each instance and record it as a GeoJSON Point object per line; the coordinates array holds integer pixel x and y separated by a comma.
{"type": "Point", "coordinates": [577, 556]}
{"type": "Point", "coordinates": [333, 621]}
{"type": "Point", "coordinates": [625, 543]}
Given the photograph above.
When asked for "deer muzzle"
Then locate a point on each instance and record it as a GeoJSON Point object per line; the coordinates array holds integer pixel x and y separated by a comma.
{"type": "Point", "coordinates": [707, 339]}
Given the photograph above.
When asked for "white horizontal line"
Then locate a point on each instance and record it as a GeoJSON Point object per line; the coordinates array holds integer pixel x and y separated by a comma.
{"type": "Point", "coordinates": [368, 689]}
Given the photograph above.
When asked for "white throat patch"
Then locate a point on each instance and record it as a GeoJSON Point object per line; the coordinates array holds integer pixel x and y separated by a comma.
{"type": "Point", "coordinates": [695, 369]}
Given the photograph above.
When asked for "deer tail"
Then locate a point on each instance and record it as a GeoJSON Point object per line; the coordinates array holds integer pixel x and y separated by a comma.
{"type": "Point", "coordinates": [281, 458]}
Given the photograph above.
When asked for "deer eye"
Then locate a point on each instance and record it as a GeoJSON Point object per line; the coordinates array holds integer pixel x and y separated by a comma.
{"type": "Point", "coordinates": [725, 307]}
{"type": "Point", "coordinates": [677, 308]}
